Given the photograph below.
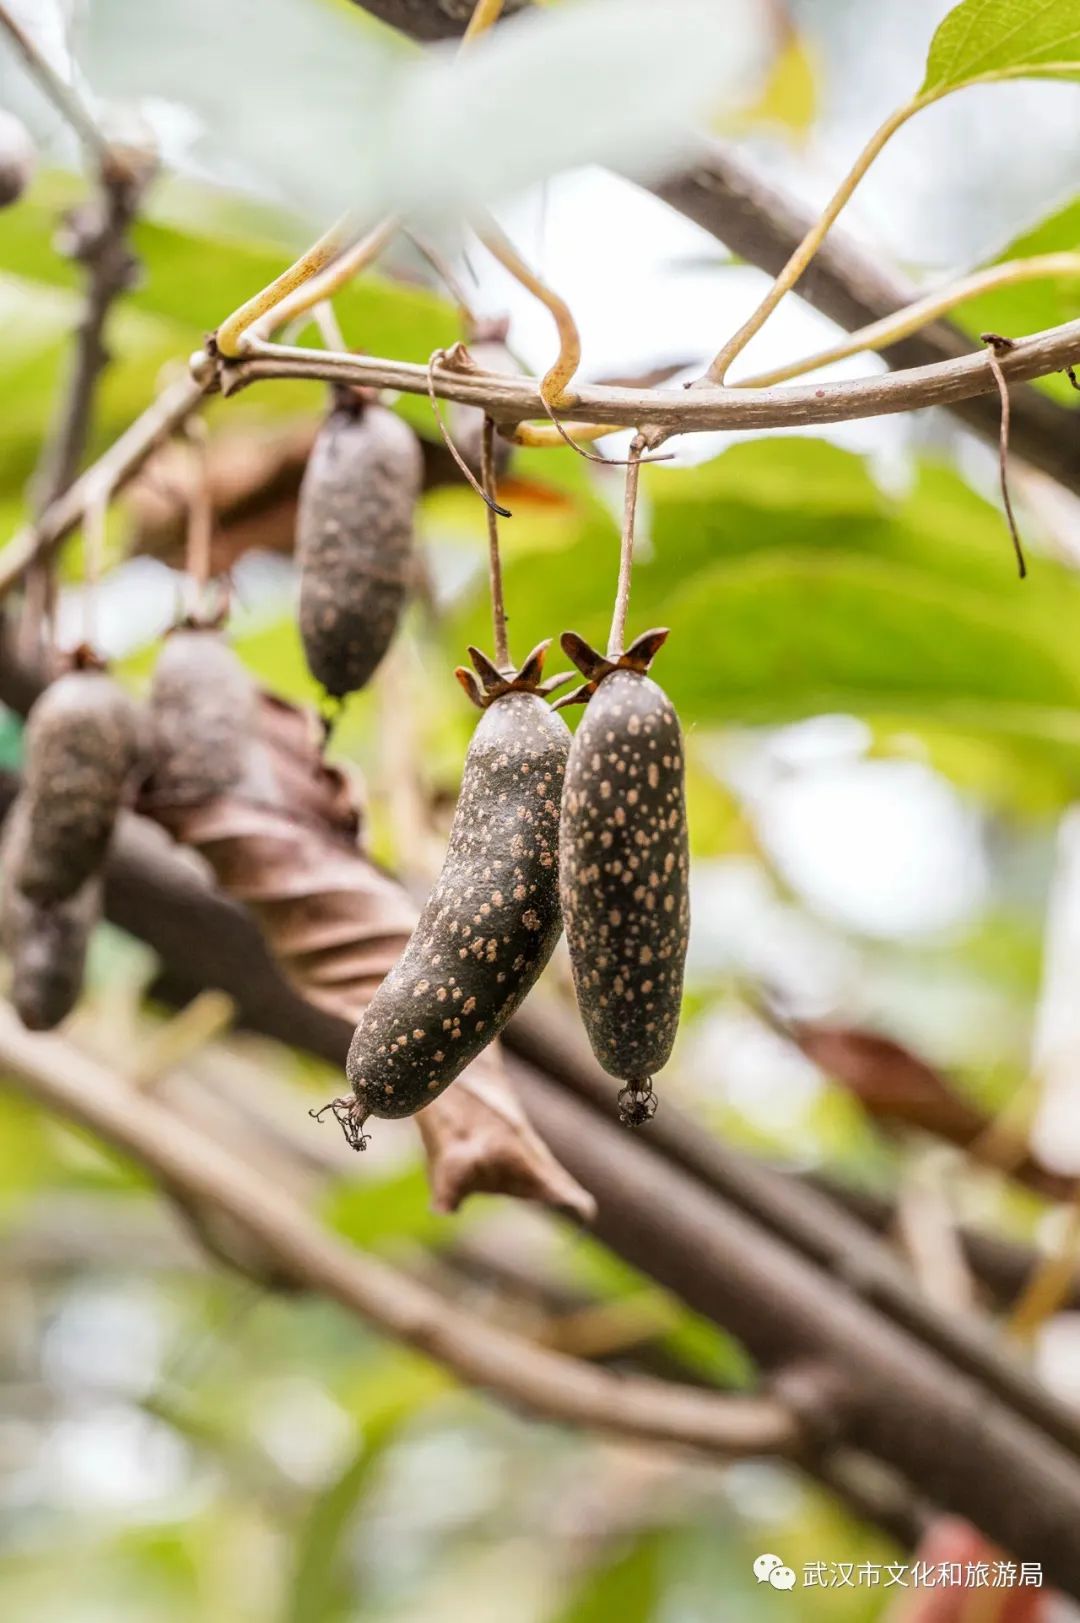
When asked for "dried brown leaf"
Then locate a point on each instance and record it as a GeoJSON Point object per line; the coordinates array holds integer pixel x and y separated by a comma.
{"type": "Point", "coordinates": [897, 1086]}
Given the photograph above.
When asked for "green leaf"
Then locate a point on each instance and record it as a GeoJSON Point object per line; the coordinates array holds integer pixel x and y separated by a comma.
{"type": "Point", "coordinates": [1032, 306]}
{"type": "Point", "coordinates": [1004, 39]}
{"type": "Point", "coordinates": [794, 585]}
{"type": "Point", "coordinates": [374, 1212]}
{"type": "Point", "coordinates": [629, 1588]}
{"type": "Point", "coordinates": [320, 1590]}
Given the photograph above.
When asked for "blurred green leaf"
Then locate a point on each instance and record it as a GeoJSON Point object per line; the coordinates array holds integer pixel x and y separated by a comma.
{"type": "Point", "coordinates": [793, 585]}
{"type": "Point", "coordinates": [1031, 306]}
{"type": "Point", "coordinates": [372, 1212]}
{"type": "Point", "coordinates": [319, 1591]}
{"type": "Point", "coordinates": [629, 1589]}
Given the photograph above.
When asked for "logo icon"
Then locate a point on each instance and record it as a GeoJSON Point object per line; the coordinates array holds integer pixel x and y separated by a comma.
{"type": "Point", "coordinates": [770, 1569]}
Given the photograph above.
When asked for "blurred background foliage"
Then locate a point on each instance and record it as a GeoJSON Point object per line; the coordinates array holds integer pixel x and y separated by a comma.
{"type": "Point", "coordinates": [884, 730]}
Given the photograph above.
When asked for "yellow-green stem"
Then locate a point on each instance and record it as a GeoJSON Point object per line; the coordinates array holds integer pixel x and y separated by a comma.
{"type": "Point", "coordinates": [321, 285]}
{"type": "Point", "coordinates": [553, 385]}
{"type": "Point", "coordinates": [902, 323]}
{"type": "Point", "coordinates": [486, 14]}
{"type": "Point", "coordinates": [810, 244]}
{"type": "Point", "coordinates": [333, 242]}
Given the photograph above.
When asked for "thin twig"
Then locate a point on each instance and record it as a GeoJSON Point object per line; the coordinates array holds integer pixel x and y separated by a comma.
{"type": "Point", "coordinates": [551, 1384]}
{"type": "Point", "coordinates": [94, 540]}
{"type": "Point", "coordinates": [617, 639]}
{"type": "Point", "coordinates": [554, 386]}
{"type": "Point", "coordinates": [200, 518]}
{"type": "Point", "coordinates": [444, 272]}
{"type": "Point", "coordinates": [323, 285]}
{"type": "Point", "coordinates": [99, 242]}
{"type": "Point", "coordinates": [813, 239]}
{"type": "Point", "coordinates": [902, 323]}
{"type": "Point", "coordinates": [503, 512]}
{"type": "Point", "coordinates": [64, 97]}
{"type": "Point", "coordinates": [489, 480]}
{"type": "Point", "coordinates": [120, 463]}
{"type": "Point", "coordinates": [512, 399]}
{"type": "Point", "coordinates": [230, 335]}
{"type": "Point", "coordinates": [998, 346]}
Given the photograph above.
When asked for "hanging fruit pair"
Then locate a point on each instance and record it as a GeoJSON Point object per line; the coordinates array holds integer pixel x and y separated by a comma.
{"type": "Point", "coordinates": [491, 922]}
{"type": "Point", "coordinates": [624, 865]}
{"type": "Point", "coordinates": [354, 540]}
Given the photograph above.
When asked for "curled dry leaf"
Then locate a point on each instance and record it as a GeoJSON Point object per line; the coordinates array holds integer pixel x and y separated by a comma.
{"type": "Point", "coordinates": [285, 841]}
{"type": "Point", "coordinates": [898, 1087]}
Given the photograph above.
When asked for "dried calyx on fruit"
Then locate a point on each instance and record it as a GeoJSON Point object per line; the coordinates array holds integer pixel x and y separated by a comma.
{"type": "Point", "coordinates": [624, 865]}
{"type": "Point", "coordinates": [354, 540]}
{"type": "Point", "coordinates": [85, 748]}
{"type": "Point", "coordinates": [203, 707]}
{"type": "Point", "coordinates": [491, 922]}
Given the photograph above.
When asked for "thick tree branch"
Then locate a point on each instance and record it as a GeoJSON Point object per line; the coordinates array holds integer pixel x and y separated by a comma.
{"type": "Point", "coordinates": [549, 1383]}
{"type": "Point", "coordinates": [927, 1419]}
{"type": "Point", "coordinates": [934, 1419]}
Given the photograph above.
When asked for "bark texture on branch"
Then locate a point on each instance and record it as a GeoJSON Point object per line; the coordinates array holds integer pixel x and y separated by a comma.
{"type": "Point", "coordinates": [552, 1384]}
{"type": "Point", "coordinates": [513, 400]}
{"type": "Point", "coordinates": [909, 1407]}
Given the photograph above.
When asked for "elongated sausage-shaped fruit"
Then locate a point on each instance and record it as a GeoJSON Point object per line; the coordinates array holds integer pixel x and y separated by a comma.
{"type": "Point", "coordinates": [354, 541]}
{"type": "Point", "coordinates": [491, 922]}
{"type": "Point", "coordinates": [203, 706]}
{"type": "Point", "coordinates": [624, 866]}
{"type": "Point", "coordinates": [84, 746]}
{"type": "Point", "coordinates": [46, 943]}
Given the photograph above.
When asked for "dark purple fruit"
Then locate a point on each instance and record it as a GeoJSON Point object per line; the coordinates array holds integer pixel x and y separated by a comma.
{"type": "Point", "coordinates": [354, 541]}
{"type": "Point", "coordinates": [84, 748]}
{"type": "Point", "coordinates": [17, 158]}
{"type": "Point", "coordinates": [492, 921]}
{"type": "Point", "coordinates": [45, 943]}
{"type": "Point", "coordinates": [203, 708]}
{"type": "Point", "coordinates": [624, 865]}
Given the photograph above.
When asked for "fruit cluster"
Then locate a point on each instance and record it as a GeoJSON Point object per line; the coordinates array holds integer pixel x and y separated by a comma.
{"type": "Point", "coordinates": [588, 828]}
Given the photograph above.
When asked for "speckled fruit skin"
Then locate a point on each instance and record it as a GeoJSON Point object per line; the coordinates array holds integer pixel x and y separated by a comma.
{"type": "Point", "coordinates": [354, 542]}
{"type": "Point", "coordinates": [45, 943]}
{"type": "Point", "coordinates": [202, 712]}
{"type": "Point", "coordinates": [489, 926]}
{"type": "Point", "coordinates": [624, 869]}
{"type": "Point", "coordinates": [84, 746]}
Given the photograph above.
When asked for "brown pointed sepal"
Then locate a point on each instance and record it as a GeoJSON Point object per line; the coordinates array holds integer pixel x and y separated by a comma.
{"type": "Point", "coordinates": [595, 666]}
{"type": "Point", "coordinates": [487, 682]}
